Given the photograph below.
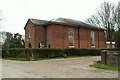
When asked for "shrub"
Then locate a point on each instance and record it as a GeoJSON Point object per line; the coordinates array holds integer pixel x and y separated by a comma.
{"type": "Point", "coordinates": [5, 53]}
{"type": "Point", "coordinates": [50, 52]}
{"type": "Point", "coordinates": [112, 49]}
{"type": "Point", "coordinates": [81, 52]}
{"type": "Point", "coordinates": [18, 52]}
{"type": "Point", "coordinates": [47, 52]}
{"type": "Point", "coordinates": [43, 52]}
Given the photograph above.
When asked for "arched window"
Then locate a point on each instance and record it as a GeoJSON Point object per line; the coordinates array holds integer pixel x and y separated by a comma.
{"type": "Point", "coordinates": [71, 37]}
{"type": "Point", "coordinates": [92, 35]}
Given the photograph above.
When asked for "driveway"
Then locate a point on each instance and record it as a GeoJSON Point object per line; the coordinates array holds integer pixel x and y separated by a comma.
{"type": "Point", "coordinates": [55, 68]}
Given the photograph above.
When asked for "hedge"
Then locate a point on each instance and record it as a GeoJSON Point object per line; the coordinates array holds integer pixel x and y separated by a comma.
{"type": "Point", "coordinates": [81, 52]}
{"type": "Point", "coordinates": [4, 53]}
{"type": "Point", "coordinates": [112, 49]}
{"type": "Point", "coordinates": [43, 52]}
{"type": "Point", "coordinates": [49, 52]}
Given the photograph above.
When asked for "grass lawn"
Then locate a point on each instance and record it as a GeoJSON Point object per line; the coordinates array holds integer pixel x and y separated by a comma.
{"type": "Point", "coordinates": [17, 58]}
{"type": "Point", "coordinates": [103, 66]}
{"type": "Point", "coordinates": [34, 59]}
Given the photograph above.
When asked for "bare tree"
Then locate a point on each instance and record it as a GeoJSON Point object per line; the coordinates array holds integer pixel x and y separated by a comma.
{"type": "Point", "coordinates": [117, 17]}
{"type": "Point", "coordinates": [93, 20]}
{"type": "Point", "coordinates": [117, 34]}
{"type": "Point", "coordinates": [105, 17]}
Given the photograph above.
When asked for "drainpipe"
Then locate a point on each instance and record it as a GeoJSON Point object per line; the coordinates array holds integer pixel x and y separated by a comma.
{"type": "Point", "coordinates": [78, 37]}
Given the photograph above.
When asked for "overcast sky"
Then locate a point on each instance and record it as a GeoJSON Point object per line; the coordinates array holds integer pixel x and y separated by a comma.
{"type": "Point", "coordinates": [17, 12]}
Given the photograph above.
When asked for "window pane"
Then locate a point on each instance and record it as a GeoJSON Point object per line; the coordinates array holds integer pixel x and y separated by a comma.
{"type": "Point", "coordinates": [92, 39]}
{"type": "Point", "coordinates": [71, 37]}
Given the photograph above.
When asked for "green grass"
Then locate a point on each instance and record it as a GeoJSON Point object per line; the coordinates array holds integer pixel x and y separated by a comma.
{"type": "Point", "coordinates": [34, 59]}
{"type": "Point", "coordinates": [60, 57]}
{"type": "Point", "coordinates": [27, 59]}
{"type": "Point", "coordinates": [17, 58]}
{"type": "Point", "coordinates": [103, 66]}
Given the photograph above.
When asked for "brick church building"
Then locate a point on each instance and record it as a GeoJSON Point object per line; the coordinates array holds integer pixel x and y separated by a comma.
{"type": "Point", "coordinates": [63, 33]}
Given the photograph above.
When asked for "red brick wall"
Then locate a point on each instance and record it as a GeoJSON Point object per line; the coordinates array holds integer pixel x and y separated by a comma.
{"type": "Point", "coordinates": [57, 36]}
{"type": "Point", "coordinates": [102, 40]}
{"type": "Point", "coordinates": [85, 41]}
{"type": "Point", "coordinates": [30, 27]}
{"type": "Point", "coordinates": [84, 37]}
{"type": "Point", "coordinates": [37, 36]}
{"type": "Point", "coordinates": [40, 35]}
{"type": "Point", "coordinates": [49, 35]}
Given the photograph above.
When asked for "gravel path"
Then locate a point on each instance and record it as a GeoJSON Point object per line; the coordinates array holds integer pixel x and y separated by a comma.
{"type": "Point", "coordinates": [55, 68]}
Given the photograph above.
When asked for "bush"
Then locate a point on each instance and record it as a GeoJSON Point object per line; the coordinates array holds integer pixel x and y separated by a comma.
{"type": "Point", "coordinates": [18, 52]}
{"type": "Point", "coordinates": [50, 52]}
{"type": "Point", "coordinates": [81, 52]}
{"type": "Point", "coordinates": [47, 52]}
{"type": "Point", "coordinates": [43, 52]}
{"type": "Point", "coordinates": [5, 53]}
{"type": "Point", "coordinates": [112, 49]}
